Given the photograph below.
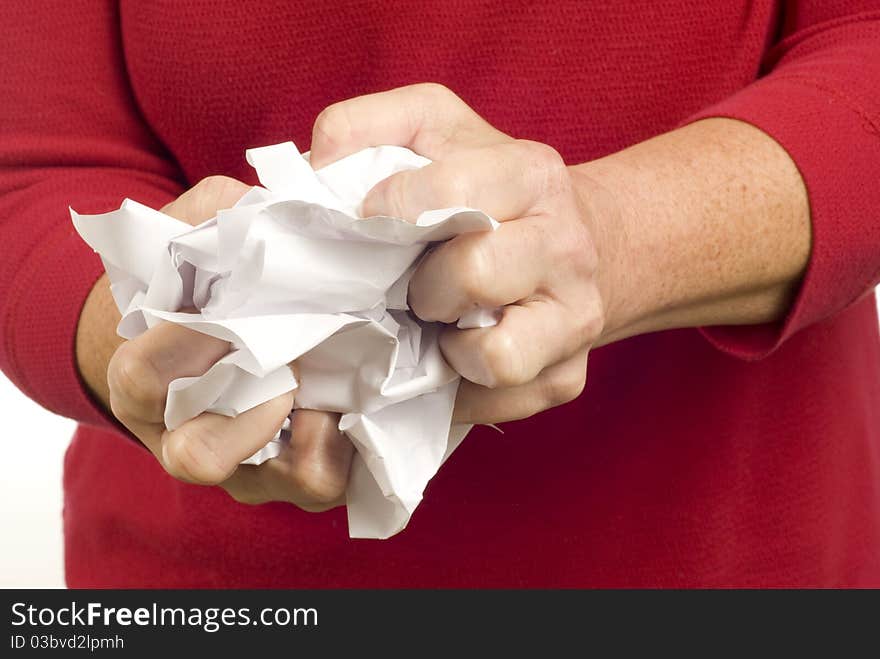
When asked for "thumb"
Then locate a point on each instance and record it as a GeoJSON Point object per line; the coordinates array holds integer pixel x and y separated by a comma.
{"type": "Point", "coordinates": [428, 118]}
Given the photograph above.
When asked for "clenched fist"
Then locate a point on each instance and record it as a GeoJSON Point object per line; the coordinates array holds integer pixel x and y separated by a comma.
{"type": "Point", "coordinates": [311, 471]}
{"type": "Point", "coordinates": [539, 268]}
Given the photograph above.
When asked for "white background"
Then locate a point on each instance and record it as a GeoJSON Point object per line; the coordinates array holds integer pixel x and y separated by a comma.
{"type": "Point", "coordinates": [32, 449]}
{"type": "Point", "coordinates": [32, 445]}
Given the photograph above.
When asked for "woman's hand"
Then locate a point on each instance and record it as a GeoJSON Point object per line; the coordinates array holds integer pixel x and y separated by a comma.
{"type": "Point", "coordinates": [312, 469]}
{"type": "Point", "coordinates": [707, 224]}
{"type": "Point", "coordinates": [539, 267]}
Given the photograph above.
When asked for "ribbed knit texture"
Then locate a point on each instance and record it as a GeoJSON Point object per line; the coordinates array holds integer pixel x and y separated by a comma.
{"type": "Point", "coordinates": [752, 458]}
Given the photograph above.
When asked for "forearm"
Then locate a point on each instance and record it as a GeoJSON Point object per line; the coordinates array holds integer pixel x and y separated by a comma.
{"type": "Point", "coordinates": [709, 225]}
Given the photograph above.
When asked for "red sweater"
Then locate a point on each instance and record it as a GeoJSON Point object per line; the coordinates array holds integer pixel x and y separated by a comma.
{"type": "Point", "coordinates": [745, 456]}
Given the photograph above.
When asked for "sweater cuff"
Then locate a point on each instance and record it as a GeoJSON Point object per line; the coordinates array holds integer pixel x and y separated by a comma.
{"type": "Point", "coordinates": [44, 303]}
{"type": "Point", "coordinates": [836, 148]}
{"type": "Point", "coordinates": [41, 333]}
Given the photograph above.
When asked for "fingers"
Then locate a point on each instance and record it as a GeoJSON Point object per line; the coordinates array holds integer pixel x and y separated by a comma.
{"type": "Point", "coordinates": [491, 269]}
{"type": "Point", "coordinates": [556, 385]}
{"type": "Point", "coordinates": [485, 269]}
{"type": "Point", "coordinates": [428, 118]}
{"type": "Point", "coordinates": [209, 448]}
{"type": "Point", "coordinates": [319, 458]}
{"type": "Point", "coordinates": [202, 201]}
{"type": "Point", "coordinates": [312, 472]}
{"type": "Point", "coordinates": [531, 336]}
{"type": "Point", "coordinates": [504, 180]}
{"type": "Point", "coordinates": [141, 370]}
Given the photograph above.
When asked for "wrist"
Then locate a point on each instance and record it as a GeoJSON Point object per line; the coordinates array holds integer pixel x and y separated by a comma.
{"type": "Point", "coordinates": [603, 208]}
{"type": "Point", "coordinates": [706, 225]}
{"type": "Point", "coordinates": [96, 340]}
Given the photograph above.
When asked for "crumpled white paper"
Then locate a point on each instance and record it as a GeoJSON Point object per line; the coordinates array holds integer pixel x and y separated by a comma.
{"type": "Point", "coordinates": [293, 272]}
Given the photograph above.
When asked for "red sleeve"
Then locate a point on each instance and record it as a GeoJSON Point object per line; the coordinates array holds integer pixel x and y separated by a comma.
{"type": "Point", "coordinates": [71, 136]}
{"type": "Point", "coordinates": [820, 100]}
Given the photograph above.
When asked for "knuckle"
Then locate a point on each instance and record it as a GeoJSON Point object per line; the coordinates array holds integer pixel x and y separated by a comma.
{"type": "Point", "coordinates": [212, 182]}
{"type": "Point", "coordinates": [419, 299]}
{"type": "Point", "coordinates": [317, 484]}
{"type": "Point", "coordinates": [189, 456]}
{"type": "Point", "coordinates": [213, 186]}
{"type": "Point", "coordinates": [393, 191]}
{"type": "Point", "coordinates": [542, 155]}
{"type": "Point", "coordinates": [434, 91]}
{"type": "Point", "coordinates": [333, 123]}
{"type": "Point", "coordinates": [208, 192]}
{"type": "Point", "coordinates": [135, 385]}
{"type": "Point", "coordinates": [565, 387]}
{"type": "Point", "coordinates": [503, 358]}
{"type": "Point", "coordinates": [121, 411]}
{"type": "Point", "coordinates": [423, 306]}
{"type": "Point", "coordinates": [547, 164]}
{"type": "Point", "coordinates": [473, 265]}
{"type": "Point", "coordinates": [466, 265]}
{"type": "Point", "coordinates": [319, 491]}
{"type": "Point", "coordinates": [200, 202]}
{"type": "Point", "coordinates": [451, 116]}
